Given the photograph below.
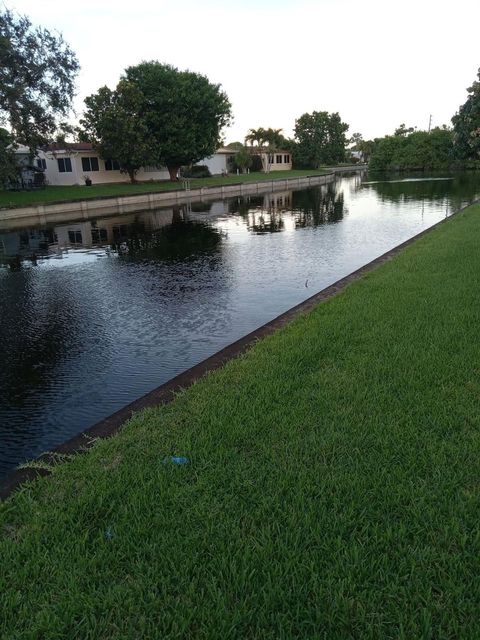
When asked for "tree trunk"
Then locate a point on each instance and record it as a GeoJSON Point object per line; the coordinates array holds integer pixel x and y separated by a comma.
{"type": "Point", "coordinates": [131, 175]}
{"type": "Point", "coordinates": [173, 170]}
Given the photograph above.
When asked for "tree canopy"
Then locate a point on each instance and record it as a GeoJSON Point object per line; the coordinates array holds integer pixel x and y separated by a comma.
{"type": "Point", "coordinates": [415, 150]}
{"type": "Point", "coordinates": [113, 120]}
{"type": "Point", "coordinates": [37, 79]}
{"type": "Point", "coordinates": [8, 166]}
{"type": "Point", "coordinates": [466, 124]}
{"type": "Point", "coordinates": [321, 139]}
{"type": "Point", "coordinates": [173, 117]}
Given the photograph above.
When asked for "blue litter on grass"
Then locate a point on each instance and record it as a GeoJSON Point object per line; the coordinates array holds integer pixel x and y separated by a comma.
{"type": "Point", "coordinates": [175, 460]}
{"type": "Point", "coordinates": [108, 533]}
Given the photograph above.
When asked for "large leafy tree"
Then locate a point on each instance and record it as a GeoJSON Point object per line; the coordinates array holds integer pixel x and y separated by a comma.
{"type": "Point", "coordinates": [8, 167]}
{"type": "Point", "coordinates": [37, 79]}
{"type": "Point", "coordinates": [466, 124]}
{"type": "Point", "coordinates": [321, 139]}
{"type": "Point", "coordinates": [415, 150]}
{"type": "Point", "coordinates": [171, 117]}
{"type": "Point", "coordinates": [113, 122]}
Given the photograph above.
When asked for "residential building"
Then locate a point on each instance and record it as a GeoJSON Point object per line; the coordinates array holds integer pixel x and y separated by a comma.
{"type": "Point", "coordinates": [277, 160]}
{"type": "Point", "coordinates": [221, 162]}
{"type": "Point", "coordinates": [73, 163]}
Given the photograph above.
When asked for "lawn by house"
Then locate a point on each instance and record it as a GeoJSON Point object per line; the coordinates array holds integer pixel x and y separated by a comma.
{"type": "Point", "coordinates": [76, 192]}
{"type": "Point", "coordinates": [331, 491]}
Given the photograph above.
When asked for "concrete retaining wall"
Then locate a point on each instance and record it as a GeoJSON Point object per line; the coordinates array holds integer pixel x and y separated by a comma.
{"type": "Point", "coordinates": [86, 209]}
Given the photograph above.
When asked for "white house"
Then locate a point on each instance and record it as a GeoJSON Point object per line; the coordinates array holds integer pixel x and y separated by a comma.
{"type": "Point", "coordinates": [221, 162]}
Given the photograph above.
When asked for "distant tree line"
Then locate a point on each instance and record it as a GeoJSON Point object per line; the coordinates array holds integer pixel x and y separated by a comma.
{"type": "Point", "coordinates": [441, 148]}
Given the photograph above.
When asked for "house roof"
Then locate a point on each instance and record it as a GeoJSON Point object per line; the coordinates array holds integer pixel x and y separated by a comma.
{"type": "Point", "coordinates": [226, 150]}
{"type": "Point", "coordinates": [70, 146]}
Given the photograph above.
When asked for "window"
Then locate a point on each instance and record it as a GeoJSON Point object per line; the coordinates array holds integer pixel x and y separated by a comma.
{"type": "Point", "coordinates": [120, 231]}
{"type": "Point", "coordinates": [75, 237]}
{"type": "Point", "coordinates": [111, 165]}
{"type": "Point", "coordinates": [279, 159]}
{"type": "Point", "coordinates": [271, 159]}
{"type": "Point", "coordinates": [286, 158]}
{"type": "Point", "coordinates": [64, 165]}
{"type": "Point", "coordinates": [41, 163]}
{"type": "Point", "coordinates": [90, 164]}
{"type": "Point", "coordinates": [99, 235]}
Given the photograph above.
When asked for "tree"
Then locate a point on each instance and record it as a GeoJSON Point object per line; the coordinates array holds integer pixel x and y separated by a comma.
{"type": "Point", "coordinates": [416, 150]}
{"type": "Point", "coordinates": [157, 116]}
{"type": "Point", "coordinates": [355, 141]}
{"type": "Point", "coordinates": [402, 130]}
{"type": "Point", "coordinates": [320, 138]}
{"type": "Point", "coordinates": [466, 124]}
{"type": "Point", "coordinates": [182, 111]}
{"type": "Point", "coordinates": [8, 167]}
{"type": "Point", "coordinates": [37, 79]}
{"type": "Point", "coordinates": [243, 159]}
{"type": "Point", "coordinates": [113, 122]}
{"type": "Point", "coordinates": [366, 147]}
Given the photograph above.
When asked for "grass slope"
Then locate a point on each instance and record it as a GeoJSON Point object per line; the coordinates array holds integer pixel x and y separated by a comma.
{"type": "Point", "coordinates": [77, 192]}
{"type": "Point", "coordinates": [332, 489]}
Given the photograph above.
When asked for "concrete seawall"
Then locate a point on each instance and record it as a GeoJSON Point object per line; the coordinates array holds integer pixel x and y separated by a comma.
{"type": "Point", "coordinates": [86, 209]}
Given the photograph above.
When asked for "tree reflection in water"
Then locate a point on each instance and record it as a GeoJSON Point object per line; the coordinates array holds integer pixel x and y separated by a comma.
{"type": "Point", "coordinates": [456, 190]}
{"type": "Point", "coordinates": [263, 214]}
{"type": "Point", "coordinates": [316, 206]}
{"type": "Point", "coordinates": [181, 240]}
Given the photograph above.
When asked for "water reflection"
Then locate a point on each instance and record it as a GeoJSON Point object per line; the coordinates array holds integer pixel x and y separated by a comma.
{"type": "Point", "coordinates": [309, 207]}
{"type": "Point", "coordinates": [93, 314]}
{"type": "Point", "coordinates": [160, 235]}
{"type": "Point", "coordinates": [456, 190]}
{"type": "Point", "coordinates": [319, 206]}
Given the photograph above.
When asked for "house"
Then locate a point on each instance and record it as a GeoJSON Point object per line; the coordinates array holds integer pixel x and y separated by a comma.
{"type": "Point", "coordinates": [72, 163]}
{"type": "Point", "coordinates": [221, 162]}
{"type": "Point", "coordinates": [277, 160]}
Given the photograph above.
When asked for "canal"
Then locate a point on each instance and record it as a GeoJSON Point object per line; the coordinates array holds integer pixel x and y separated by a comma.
{"type": "Point", "coordinates": [94, 314]}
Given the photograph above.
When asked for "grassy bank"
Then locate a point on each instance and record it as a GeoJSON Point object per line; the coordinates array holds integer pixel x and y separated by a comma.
{"type": "Point", "coordinates": [332, 487]}
{"type": "Point", "coordinates": [60, 194]}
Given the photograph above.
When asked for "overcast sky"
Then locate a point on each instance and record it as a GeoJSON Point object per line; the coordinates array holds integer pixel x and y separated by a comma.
{"type": "Point", "coordinates": [378, 63]}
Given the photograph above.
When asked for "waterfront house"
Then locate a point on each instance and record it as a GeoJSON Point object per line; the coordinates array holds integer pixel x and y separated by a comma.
{"type": "Point", "coordinates": [278, 160]}
{"type": "Point", "coordinates": [72, 163]}
{"type": "Point", "coordinates": [221, 162]}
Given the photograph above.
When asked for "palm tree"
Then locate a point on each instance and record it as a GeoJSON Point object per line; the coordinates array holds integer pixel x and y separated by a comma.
{"type": "Point", "coordinates": [255, 135]}
{"type": "Point", "coordinates": [268, 140]}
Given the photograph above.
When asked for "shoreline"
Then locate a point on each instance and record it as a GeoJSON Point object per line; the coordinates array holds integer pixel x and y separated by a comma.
{"type": "Point", "coordinates": [166, 392]}
{"type": "Point", "coordinates": [67, 211]}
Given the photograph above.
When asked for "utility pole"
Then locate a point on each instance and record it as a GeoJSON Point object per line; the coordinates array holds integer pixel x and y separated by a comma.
{"type": "Point", "coordinates": [430, 123]}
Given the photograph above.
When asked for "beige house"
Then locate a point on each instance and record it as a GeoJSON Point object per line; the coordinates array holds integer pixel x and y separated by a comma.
{"type": "Point", "coordinates": [276, 160]}
{"type": "Point", "coordinates": [73, 163]}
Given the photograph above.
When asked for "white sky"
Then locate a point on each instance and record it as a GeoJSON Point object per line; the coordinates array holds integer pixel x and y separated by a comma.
{"type": "Point", "coordinates": [378, 63]}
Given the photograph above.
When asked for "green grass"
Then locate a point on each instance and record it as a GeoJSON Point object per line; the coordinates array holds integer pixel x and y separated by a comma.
{"type": "Point", "coordinates": [77, 192]}
{"type": "Point", "coordinates": [332, 490]}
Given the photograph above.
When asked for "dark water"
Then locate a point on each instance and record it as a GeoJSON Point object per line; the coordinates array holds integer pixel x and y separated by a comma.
{"type": "Point", "coordinates": [95, 314]}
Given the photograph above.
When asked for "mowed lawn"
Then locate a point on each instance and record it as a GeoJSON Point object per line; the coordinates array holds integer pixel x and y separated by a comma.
{"type": "Point", "coordinates": [81, 192]}
{"type": "Point", "coordinates": [332, 488]}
